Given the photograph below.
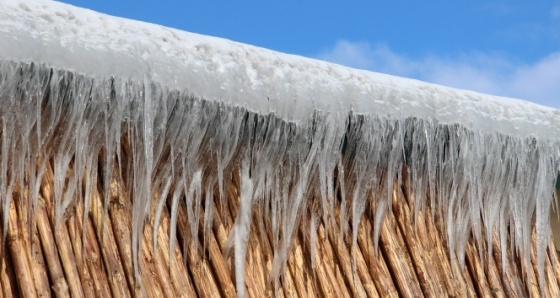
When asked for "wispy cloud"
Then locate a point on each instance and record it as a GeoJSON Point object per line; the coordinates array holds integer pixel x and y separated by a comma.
{"type": "Point", "coordinates": [555, 11]}
{"type": "Point", "coordinates": [500, 7]}
{"type": "Point", "coordinates": [539, 81]}
{"type": "Point", "coordinates": [536, 30]}
{"type": "Point", "coordinates": [492, 73]}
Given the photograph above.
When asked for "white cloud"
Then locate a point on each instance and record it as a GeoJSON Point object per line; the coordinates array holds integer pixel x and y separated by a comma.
{"type": "Point", "coordinates": [353, 54]}
{"type": "Point", "coordinates": [365, 56]}
{"type": "Point", "coordinates": [540, 81]}
{"type": "Point", "coordinates": [484, 72]}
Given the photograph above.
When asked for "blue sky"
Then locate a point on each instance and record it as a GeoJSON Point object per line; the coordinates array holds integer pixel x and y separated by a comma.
{"type": "Point", "coordinates": [509, 48]}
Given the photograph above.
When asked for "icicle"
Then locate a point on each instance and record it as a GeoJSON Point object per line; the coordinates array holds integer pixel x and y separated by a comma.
{"type": "Point", "coordinates": [179, 188]}
{"type": "Point", "coordinates": [313, 238]}
{"type": "Point", "coordinates": [193, 199]}
{"type": "Point", "coordinates": [159, 208]}
{"type": "Point", "coordinates": [4, 188]}
{"type": "Point", "coordinates": [241, 228]}
{"type": "Point", "coordinates": [176, 146]}
{"type": "Point", "coordinates": [208, 211]}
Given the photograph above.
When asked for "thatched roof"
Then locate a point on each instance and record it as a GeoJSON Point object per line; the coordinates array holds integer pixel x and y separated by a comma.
{"type": "Point", "coordinates": [141, 160]}
{"type": "Point", "coordinates": [41, 259]}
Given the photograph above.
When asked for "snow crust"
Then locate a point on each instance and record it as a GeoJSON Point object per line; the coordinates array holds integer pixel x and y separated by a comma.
{"type": "Point", "coordinates": [198, 113]}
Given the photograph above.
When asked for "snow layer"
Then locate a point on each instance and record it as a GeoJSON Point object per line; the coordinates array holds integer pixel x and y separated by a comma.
{"type": "Point", "coordinates": [197, 112]}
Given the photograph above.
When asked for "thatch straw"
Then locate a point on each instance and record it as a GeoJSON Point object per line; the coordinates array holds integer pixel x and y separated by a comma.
{"type": "Point", "coordinates": [412, 258]}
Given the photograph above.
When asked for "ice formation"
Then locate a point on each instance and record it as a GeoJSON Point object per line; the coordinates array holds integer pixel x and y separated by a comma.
{"type": "Point", "coordinates": [75, 85]}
